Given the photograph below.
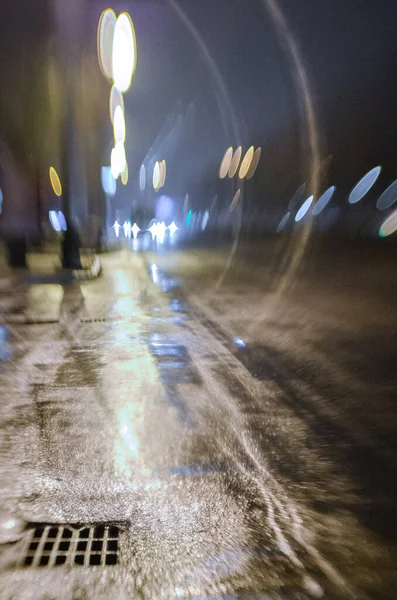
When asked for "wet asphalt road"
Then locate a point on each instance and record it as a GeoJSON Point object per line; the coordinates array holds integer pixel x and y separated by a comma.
{"type": "Point", "coordinates": [129, 400]}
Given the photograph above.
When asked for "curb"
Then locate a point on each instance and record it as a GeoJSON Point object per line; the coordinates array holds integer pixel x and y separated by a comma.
{"type": "Point", "coordinates": [92, 272]}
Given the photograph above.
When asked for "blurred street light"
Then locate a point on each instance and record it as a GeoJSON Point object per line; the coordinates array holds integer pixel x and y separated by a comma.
{"type": "Point", "coordinates": [246, 163]}
{"type": "Point", "coordinates": [115, 99]}
{"type": "Point", "coordinates": [225, 164]}
{"type": "Point", "coordinates": [119, 125]}
{"type": "Point", "coordinates": [156, 176]}
{"type": "Point", "coordinates": [235, 162]}
{"type": "Point", "coordinates": [124, 52]}
{"type": "Point", "coordinates": [55, 182]}
{"type": "Point", "coordinates": [106, 27]}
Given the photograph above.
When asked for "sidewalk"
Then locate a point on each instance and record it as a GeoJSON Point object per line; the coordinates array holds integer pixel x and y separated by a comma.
{"type": "Point", "coordinates": [45, 267]}
{"type": "Point", "coordinates": [44, 271]}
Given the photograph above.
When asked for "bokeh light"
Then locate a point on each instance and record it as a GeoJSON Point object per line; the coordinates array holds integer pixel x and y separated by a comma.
{"type": "Point", "coordinates": [389, 225]}
{"type": "Point", "coordinates": [163, 172]}
{"type": "Point", "coordinates": [106, 26]}
{"type": "Point", "coordinates": [124, 174]}
{"type": "Point", "coordinates": [297, 196]}
{"type": "Point", "coordinates": [225, 164]}
{"type": "Point", "coordinates": [53, 216]}
{"type": "Point", "coordinates": [62, 220]}
{"type": "Point", "coordinates": [254, 163]}
{"type": "Point", "coordinates": [55, 182]}
{"type": "Point", "coordinates": [235, 200]}
{"type": "Point", "coordinates": [204, 221]}
{"type": "Point", "coordinates": [113, 164]}
{"type": "Point", "coordinates": [142, 178]}
{"type": "Point", "coordinates": [124, 54]}
{"type": "Point", "coordinates": [115, 99]}
{"type": "Point", "coordinates": [119, 125]}
{"type": "Point", "coordinates": [118, 160]}
{"type": "Point", "coordinates": [303, 209]}
{"type": "Point", "coordinates": [108, 181]}
{"type": "Point", "coordinates": [246, 163]}
{"type": "Point", "coordinates": [283, 222]}
{"type": "Point", "coordinates": [156, 176]}
{"type": "Point", "coordinates": [364, 185]}
{"type": "Point", "coordinates": [388, 197]}
{"type": "Point", "coordinates": [323, 200]}
{"type": "Point", "coordinates": [235, 162]}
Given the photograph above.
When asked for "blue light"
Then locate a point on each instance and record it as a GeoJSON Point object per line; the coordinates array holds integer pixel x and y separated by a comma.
{"type": "Point", "coordinates": [239, 342]}
{"type": "Point", "coordinates": [323, 200]}
{"type": "Point", "coordinates": [303, 209]}
{"type": "Point", "coordinates": [53, 216]}
{"type": "Point", "coordinates": [189, 218]}
{"type": "Point", "coordinates": [364, 185]}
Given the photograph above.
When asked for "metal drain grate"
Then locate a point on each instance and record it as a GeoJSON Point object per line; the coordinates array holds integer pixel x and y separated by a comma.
{"type": "Point", "coordinates": [49, 545]}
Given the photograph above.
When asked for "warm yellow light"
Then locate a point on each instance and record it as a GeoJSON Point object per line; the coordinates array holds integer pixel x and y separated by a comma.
{"type": "Point", "coordinates": [163, 173]}
{"type": "Point", "coordinates": [124, 54]}
{"type": "Point", "coordinates": [156, 176]}
{"type": "Point", "coordinates": [115, 100]}
{"type": "Point", "coordinates": [246, 163]}
{"type": "Point", "coordinates": [235, 162]}
{"type": "Point", "coordinates": [55, 181]}
{"type": "Point", "coordinates": [119, 125]}
{"type": "Point", "coordinates": [106, 26]}
{"type": "Point", "coordinates": [254, 163]}
{"type": "Point", "coordinates": [225, 164]}
{"type": "Point", "coordinates": [389, 226]}
{"type": "Point", "coordinates": [124, 175]}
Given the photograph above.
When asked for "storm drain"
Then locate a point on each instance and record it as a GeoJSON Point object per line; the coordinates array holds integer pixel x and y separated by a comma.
{"type": "Point", "coordinates": [48, 545]}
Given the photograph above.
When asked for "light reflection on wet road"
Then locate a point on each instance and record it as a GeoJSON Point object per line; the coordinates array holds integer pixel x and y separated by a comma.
{"type": "Point", "coordinates": [131, 409]}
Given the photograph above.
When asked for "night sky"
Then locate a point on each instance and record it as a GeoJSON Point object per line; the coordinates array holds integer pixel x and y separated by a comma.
{"type": "Point", "coordinates": [240, 82]}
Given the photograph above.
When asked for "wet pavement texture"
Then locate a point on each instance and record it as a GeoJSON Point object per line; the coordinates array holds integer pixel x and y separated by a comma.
{"type": "Point", "coordinates": [229, 468]}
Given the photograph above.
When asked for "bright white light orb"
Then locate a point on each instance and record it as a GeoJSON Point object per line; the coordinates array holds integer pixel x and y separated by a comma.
{"type": "Point", "coordinates": [156, 176]}
{"type": "Point", "coordinates": [124, 53]}
{"type": "Point", "coordinates": [119, 125]}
